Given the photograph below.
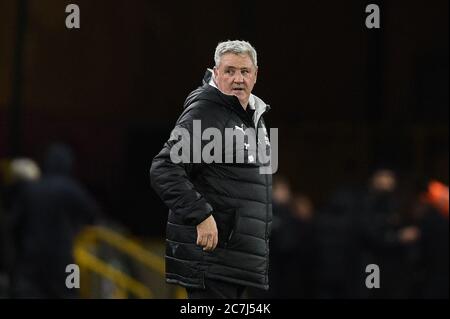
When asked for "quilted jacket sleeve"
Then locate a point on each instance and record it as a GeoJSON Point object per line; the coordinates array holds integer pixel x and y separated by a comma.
{"type": "Point", "coordinates": [171, 180]}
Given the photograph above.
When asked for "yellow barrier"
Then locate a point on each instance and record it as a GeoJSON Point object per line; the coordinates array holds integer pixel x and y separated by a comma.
{"type": "Point", "coordinates": [91, 236]}
{"type": "Point", "coordinates": [124, 281]}
{"type": "Point", "coordinates": [133, 249]}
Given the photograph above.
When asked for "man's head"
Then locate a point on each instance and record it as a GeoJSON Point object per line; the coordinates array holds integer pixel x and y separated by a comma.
{"type": "Point", "coordinates": [236, 69]}
{"type": "Point", "coordinates": [384, 181]}
{"type": "Point", "coordinates": [281, 190]}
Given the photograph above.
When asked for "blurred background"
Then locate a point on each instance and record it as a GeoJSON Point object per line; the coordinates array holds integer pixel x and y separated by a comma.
{"type": "Point", "coordinates": [362, 116]}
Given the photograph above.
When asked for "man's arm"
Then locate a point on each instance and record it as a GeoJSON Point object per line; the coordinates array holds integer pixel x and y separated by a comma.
{"type": "Point", "coordinates": [172, 184]}
{"type": "Point", "coordinates": [171, 181]}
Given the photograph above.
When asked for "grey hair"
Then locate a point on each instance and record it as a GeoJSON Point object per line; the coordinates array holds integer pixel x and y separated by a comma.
{"type": "Point", "coordinates": [236, 47]}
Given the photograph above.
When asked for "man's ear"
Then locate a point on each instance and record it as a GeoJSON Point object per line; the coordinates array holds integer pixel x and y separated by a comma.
{"type": "Point", "coordinates": [256, 74]}
{"type": "Point", "coordinates": [216, 72]}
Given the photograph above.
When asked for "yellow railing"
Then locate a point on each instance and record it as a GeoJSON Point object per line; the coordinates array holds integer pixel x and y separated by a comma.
{"type": "Point", "coordinates": [90, 238]}
{"type": "Point", "coordinates": [122, 280]}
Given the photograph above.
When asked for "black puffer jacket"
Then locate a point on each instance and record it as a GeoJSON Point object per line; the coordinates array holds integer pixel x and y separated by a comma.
{"type": "Point", "coordinates": [239, 197]}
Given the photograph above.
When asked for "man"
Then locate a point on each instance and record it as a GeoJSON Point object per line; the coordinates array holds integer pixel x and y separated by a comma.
{"type": "Point", "coordinates": [220, 212]}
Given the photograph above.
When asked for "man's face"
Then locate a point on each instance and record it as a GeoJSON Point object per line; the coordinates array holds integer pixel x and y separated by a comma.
{"type": "Point", "coordinates": [236, 75]}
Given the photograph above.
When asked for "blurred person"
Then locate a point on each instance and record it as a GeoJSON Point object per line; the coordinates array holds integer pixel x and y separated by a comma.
{"type": "Point", "coordinates": [15, 175]}
{"type": "Point", "coordinates": [282, 213]}
{"type": "Point", "coordinates": [436, 194]}
{"type": "Point", "coordinates": [220, 213]}
{"type": "Point", "coordinates": [301, 264]}
{"type": "Point", "coordinates": [338, 272]}
{"type": "Point", "coordinates": [383, 181]}
{"type": "Point", "coordinates": [431, 212]}
{"type": "Point", "coordinates": [390, 238]}
{"type": "Point", "coordinates": [282, 194]}
{"type": "Point", "coordinates": [303, 207]}
{"type": "Point", "coordinates": [282, 240]}
{"type": "Point", "coordinates": [24, 169]}
{"type": "Point", "coordinates": [291, 245]}
{"type": "Point", "coordinates": [48, 214]}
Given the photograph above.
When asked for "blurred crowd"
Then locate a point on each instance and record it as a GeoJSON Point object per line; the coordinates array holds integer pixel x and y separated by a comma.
{"type": "Point", "coordinates": [323, 252]}
{"type": "Point", "coordinates": [315, 252]}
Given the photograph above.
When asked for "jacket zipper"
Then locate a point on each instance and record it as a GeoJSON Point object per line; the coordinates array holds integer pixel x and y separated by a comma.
{"type": "Point", "coordinates": [267, 195]}
{"type": "Point", "coordinates": [267, 223]}
{"type": "Point", "coordinates": [229, 237]}
{"type": "Point", "coordinates": [257, 122]}
{"type": "Point", "coordinates": [257, 141]}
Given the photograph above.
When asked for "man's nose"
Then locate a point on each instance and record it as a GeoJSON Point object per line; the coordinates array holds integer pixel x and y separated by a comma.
{"type": "Point", "coordinates": [238, 77]}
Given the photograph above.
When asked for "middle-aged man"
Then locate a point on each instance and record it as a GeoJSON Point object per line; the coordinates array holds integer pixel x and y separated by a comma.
{"type": "Point", "coordinates": [220, 210]}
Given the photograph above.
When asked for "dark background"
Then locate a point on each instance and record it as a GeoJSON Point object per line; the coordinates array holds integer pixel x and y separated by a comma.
{"type": "Point", "coordinates": [346, 99]}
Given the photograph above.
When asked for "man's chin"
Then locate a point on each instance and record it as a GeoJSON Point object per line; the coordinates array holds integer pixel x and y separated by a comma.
{"type": "Point", "coordinates": [243, 101]}
{"type": "Point", "coordinates": [241, 96]}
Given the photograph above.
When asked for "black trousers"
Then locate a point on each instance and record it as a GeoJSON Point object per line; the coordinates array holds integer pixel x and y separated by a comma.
{"type": "Point", "coordinates": [217, 289]}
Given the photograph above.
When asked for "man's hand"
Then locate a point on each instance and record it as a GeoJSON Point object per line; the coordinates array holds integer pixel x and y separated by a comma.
{"type": "Point", "coordinates": [207, 234]}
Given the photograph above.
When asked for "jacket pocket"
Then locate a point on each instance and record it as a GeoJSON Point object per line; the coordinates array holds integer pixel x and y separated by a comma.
{"type": "Point", "coordinates": [181, 233]}
{"type": "Point", "coordinates": [226, 223]}
{"type": "Point", "coordinates": [181, 243]}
